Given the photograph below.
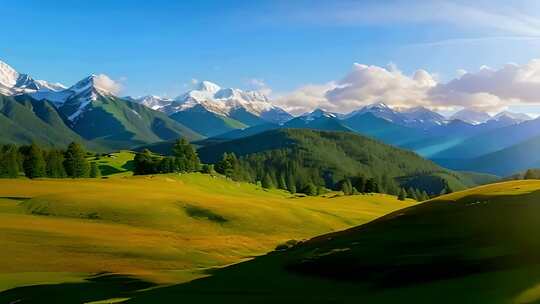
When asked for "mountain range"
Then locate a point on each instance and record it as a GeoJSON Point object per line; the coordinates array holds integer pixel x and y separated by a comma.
{"type": "Point", "coordinates": [89, 112]}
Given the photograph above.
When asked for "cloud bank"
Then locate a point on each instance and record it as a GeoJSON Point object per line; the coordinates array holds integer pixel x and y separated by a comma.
{"type": "Point", "coordinates": [486, 89]}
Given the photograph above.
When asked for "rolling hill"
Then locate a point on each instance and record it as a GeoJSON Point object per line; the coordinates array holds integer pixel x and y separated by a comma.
{"type": "Point", "coordinates": [475, 246]}
{"type": "Point", "coordinates": [165, 229]}
{"type": "Point", "coordinates": [328, 157]}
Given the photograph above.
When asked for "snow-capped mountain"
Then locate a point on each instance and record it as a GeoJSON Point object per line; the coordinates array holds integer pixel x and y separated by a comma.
{"type": "Point", "coordinates": [422, 116]}
{"type": "Point", "coordinates": [227, 101]}
{"type": "Point", "coordinates": [317, 113]}
{"type": "Point", "coordinates": [471, 116]}
{"type": "Point", "coordinates": [14, 83]}
{"type": "Point", "coordinates": [516, 117]}
{"type": "Point", "coordinates": [417, 117]}
{"type": "Point", "coordinates": [379, 109]}
{"type": "Point", "coordinates": [152, 101]}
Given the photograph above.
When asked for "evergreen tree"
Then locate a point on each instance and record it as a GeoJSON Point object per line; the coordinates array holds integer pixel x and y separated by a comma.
{"type": "Point", "coordinates": [530, 174]}
{"type": "Point", "coordinates": [361, 184]}
{"type": "Point", "coordinates": [310, 189]}
{"type": "Point", "coordinates": [425, 196]}
{"type": "Point", "coordinates": [402, 194]}
{"type": "Point", "coordinates": [186, 157]}
{"type": "Point", "coordinates": [369, 186]}
{"type": "Point", "coordinates": [94, 171]}
{"type": "Point", "coordinates": [9, 161]}
{"type": "Point", "coordinates": [418, 195]}
{"type": "Point", "coordinates": [146, 164]}
{"type": "Point", "coordinates": [75, 162]}
{"type": "Point", "coordinates": [55, 164]}
{"type": "Point", "coordinates": [34, 164]}
{"type": "Point", "coordinates": [346, 187]}
{"type": "Point", "coordinates": [291, 184]}
{"type": "Point", "coordinates": [411, 194]}
{"type": "Point", "coordinates": [282, 183]}
{"type": "Point", "coordinates": [267, 182]}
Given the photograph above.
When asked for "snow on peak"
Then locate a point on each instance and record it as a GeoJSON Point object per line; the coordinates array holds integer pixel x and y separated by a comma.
{"type": "Point", "coordinates": [318, 113]}
{"type": "Point", "coordinates": [223, 101]}
{"type": "Point", "coordinates": [518, 117]}
{"type": "Point", "coordinates": [208, 86]}
{"type": "Point", "coordinates": [153, 102]}
{"type": "Point", "coordinates": [14, 83]}
{"type": "Point", "coordinates": [8, 75]}
{"type": "Point", "coordinates": [471, 116]}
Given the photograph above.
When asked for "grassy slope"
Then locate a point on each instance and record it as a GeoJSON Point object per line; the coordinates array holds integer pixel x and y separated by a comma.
{"type": "Point", "coordinates": [119, 164]}
{"type": "Point", "coordinates": [162, 228]}
{"type": "Point", "coordinates": [118, 124]}
{"type": "Point", "coordinates": [205, 122]}
{"type": "Point", "coordinates": [475, 246]}
{"type": "Point", "coordinates": [348, 154]}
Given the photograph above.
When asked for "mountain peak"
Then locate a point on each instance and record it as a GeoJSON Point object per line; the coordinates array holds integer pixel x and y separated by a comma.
{"type": "Point", "coordinates": [8, 75]}
{"type": "Point", "coordinates": [471, 116]}
{"type": "Point", "coordinates": [518, 117]}
{"type": "Point", "coordinates": [208, 86]}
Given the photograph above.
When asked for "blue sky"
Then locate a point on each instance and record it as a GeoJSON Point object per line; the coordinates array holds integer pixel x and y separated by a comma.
{"type": "Point", "coordinates": [158, 47]}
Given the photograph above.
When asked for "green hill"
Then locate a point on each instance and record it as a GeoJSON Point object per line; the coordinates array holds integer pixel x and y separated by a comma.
{"type": "Point", "coordinates": [325, 158]}
{"type": "Point", "coordinates": [475, 246]}
{"type": "Point", "coordinates": [164, 229]}
{"type": "Point", "coordinates": [121, 124]}
{"type": "Point", "coordinates": [205, 122]}
{"type": "Point", "coordinates": [507, 161]}
{"type": "Point", "coordinates": [24, 120]}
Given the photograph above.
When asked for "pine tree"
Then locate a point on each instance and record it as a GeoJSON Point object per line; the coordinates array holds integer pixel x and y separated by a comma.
{"type": "Point", "coordinates": [402, 194]}
{"type": "Point", "coordinates": [75, 161]}
{"type": "Point", "coordinates": [146, 164]}
{"type": "Point", "coordinates": [310, 189]}
{"type": "Point", "coordinates": [411, 194]}
{"type": "Point", "coordinates": [425, 196]}
{"type": "Point", "coordinates": [267, 182]}
{"type": "Point", "coordinates": [55, 164]}
{"type": "Point", "coordinates": [530, 174]}
{"type": "Point", "coordinates": [9, 161]}
{"type": "Point", "coordinates": [94, 171]}
{"type": "Point", "coordinates": [291, 184]}
{"type": "Point", "coordinates": [282, 184]}
{"type": "Point", "coordinates": [34, 164]}
{"type": "Point", "coordinates": [186, 157]}
{"type": "Point", "coordinates": [361, 184]}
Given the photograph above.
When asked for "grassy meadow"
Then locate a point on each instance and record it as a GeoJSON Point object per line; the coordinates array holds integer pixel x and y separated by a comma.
{"type": "Point", "coordinates": [164, 228]}
{"type": "Point", "coordinates": [476, 246]}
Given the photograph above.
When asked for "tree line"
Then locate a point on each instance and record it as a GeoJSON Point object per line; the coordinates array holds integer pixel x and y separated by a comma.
{"type": "Point", "coordinates": [274, 169]}
{"type": "Point", "coordinates": [184, 159]}
{"type": "Point", "coordinates": [36, 162]}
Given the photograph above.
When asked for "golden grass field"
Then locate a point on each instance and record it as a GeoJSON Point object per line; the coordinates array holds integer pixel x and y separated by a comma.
{"type": "Point", "coordinates": [164, 228]}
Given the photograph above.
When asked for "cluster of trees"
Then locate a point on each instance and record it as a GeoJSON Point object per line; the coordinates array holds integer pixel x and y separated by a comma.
{"type": "Point", "coordinates": [36, 162]}
{"type": "Point", "coordinates": [184, 159]}
{"type": "Point", "coordinates": [282, 169]}
{"type": "Point", "coordinates": [414, 194]}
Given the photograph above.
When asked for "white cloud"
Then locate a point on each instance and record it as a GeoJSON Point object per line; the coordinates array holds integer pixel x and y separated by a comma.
{"type": "Point", "coordinates": [487, 89]}
{"type": "Point", "coordinates": [105, 83]}
{"type": "Point", "coordinates": [259, 85]}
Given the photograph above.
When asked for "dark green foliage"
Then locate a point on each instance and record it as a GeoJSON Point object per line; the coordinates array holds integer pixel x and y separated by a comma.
{"type": "Point", "coordinates": [9, 161]}
{"type": "Point", "coordinates": [146, 163]}
{"type": "Point", "coordinates": [75, 162]}
{"type": "Point", "coordinates": [94, 171]}
{"type": "Point", "coordinates": [34, 163]}
{"type": "Point", "coordinates": [207, 169]}
{"type": "Point", "coordinates": [55, 164]}
{"type": "Point", "coordinates": [184, 159]}
{"type": "Point", "coordinates": [267, 182]}
{"type": "Point", "coordinates": [402, 194]}
{"type": "Point", "coordinates": [346, 187]}
{"type": "Point", "coordinates": [185, 156]}
{"type": "Point", "coordinates": [326, 159]}
{"type": "Point", "coordinates": [310, 189]}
